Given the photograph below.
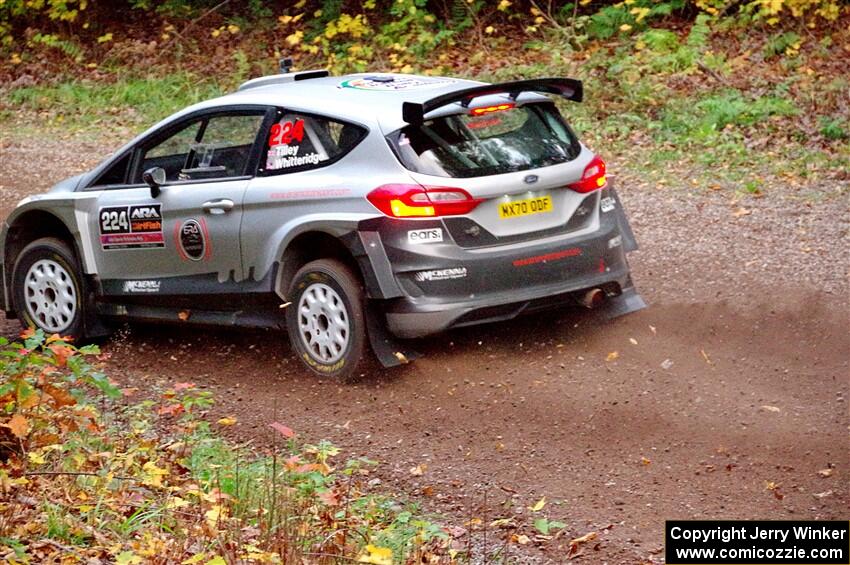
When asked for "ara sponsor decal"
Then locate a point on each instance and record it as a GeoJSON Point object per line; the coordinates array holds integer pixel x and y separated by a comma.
{"type": "Point", "coordinates": [441, 274]}
{"type": "Point", "coordinates": [193, 240]}
{"type": "Point", "coordinates": [572, 252]}
{"type": "Point", "coordinates": [143, 287]}
{"type": "Point", "coordinates": [393, 82]}
{"type": "Point", "coordinates": [433, 235]}
{"type": "Point", "coordinates": [607, 204]}
{"type": "Point", "coordinates": [131, 227]}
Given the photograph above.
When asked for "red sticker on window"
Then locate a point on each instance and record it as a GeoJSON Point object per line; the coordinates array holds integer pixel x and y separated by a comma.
{"type": "Point", "coordinates": [286, 133]}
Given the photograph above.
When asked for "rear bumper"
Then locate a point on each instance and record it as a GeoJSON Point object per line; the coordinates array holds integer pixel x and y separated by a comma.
{"type": "Point", "coordinates": [444, 286]}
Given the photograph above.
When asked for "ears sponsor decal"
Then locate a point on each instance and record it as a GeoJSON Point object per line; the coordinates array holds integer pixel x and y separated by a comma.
{"type": "Point", "coordinates": [131, 227]}
{"type": "Point", "coordinates": [431, 235]}
{"type": "Point", "coordinates": [193, 240]}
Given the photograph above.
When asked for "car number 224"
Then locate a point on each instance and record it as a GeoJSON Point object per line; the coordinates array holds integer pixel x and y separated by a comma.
{"type": "Point", "coordinates": [114, 220]}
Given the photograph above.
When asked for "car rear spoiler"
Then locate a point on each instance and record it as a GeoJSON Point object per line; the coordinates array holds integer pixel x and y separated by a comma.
{"type": "Point", "coordinates": [571, 89]}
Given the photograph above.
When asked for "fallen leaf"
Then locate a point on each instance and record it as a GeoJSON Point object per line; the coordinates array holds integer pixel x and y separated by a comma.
{"type": "Point", "coordinates": [227, 421]}
{"type": "Point", "coordinates": [183, 315]}
{"type": "Point", "coordinates": [183, 386]}
{"type": "Point", "coordinates": [741, 212]}
{"type": "Point", "coordinates": [538, 506]}
{"type": "Point", "coordinates": [825, 473]}
{"type": "Point", "coordinates": [633, 341]}
{"type": "Point", "coordinates": [329, 497]}
{"type": "Point", "coordinates": [285, 431]}
{"type": "Point", "coordinates": [19, 426]}
{"type": "Point", "coordinates": [767, 408]}
{"type": "Point", "coordinates": [823, 494]}
{"type": "Point", "coordinates": [419, 470]}
{"type": "Point", "coordinates": [377, 555]}
{"type": "Point", "coordinates": [652, 329]}
{"type": "Point", "coordinates": [577, 542]}
{"type": "Point", "coordinates": [612, 356]}
{"type": "Point", "coordinates": [522, 539]}
{"type": "Point", "coordinates": [645, 461]}
{"type": "Point", "coordinates": [502, 523]}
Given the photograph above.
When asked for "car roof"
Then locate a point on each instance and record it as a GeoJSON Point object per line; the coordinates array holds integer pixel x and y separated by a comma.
{"type": "Point", "coordinates": [364, 97]}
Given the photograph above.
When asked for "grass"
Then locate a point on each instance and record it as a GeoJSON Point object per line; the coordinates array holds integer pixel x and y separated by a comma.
{"type": "Point", "coordinates": [155, 481]}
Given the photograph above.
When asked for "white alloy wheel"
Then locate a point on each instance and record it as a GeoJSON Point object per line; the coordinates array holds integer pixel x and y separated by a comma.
{"type": "Point", "coordinates": [50, 294]}
{"type": "Point", "coordinates": [323, 323]}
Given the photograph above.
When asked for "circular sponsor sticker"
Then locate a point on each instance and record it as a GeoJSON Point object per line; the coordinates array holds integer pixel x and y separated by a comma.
{"type": "Point", "coordinates": [191, 239]}
{"type": "Point", "coordinates": [392, 83]}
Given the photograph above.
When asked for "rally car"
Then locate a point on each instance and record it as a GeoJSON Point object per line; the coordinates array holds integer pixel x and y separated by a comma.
{"type": "Point", "coordinates": [350, 210]}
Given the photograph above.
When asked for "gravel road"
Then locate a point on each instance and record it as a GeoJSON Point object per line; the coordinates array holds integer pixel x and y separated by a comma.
{"type": "Point", "coordinates": [735, 376]}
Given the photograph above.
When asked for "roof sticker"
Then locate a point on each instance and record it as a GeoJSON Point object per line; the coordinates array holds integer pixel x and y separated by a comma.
{"type": "Point", "coordinates": [394, 82]}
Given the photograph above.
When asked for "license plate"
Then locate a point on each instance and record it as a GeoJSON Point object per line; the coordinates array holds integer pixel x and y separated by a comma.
{"type": "Point", "coordinates": [525, 207]}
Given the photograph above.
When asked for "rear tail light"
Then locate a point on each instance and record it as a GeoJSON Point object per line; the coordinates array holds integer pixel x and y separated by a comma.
{"type": "Point", "coordinates": [414, 201]}
{"type": "Point", "coordinates": [592, 178]}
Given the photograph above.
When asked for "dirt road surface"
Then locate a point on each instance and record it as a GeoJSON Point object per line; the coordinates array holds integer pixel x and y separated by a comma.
{"type": "Point", "coordinates": [735, 377]}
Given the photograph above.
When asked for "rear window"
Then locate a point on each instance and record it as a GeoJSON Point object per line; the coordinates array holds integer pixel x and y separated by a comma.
{"type": "Point", "coordinates": [463, 145]}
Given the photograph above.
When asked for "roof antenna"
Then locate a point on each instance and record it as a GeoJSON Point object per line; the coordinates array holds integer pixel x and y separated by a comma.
{"type": "Point", "coordinates": [285, 65]}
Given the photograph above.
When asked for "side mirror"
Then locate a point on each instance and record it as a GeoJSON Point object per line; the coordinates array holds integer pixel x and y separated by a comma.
{"type": "Point", "coordinates": [154, 178]}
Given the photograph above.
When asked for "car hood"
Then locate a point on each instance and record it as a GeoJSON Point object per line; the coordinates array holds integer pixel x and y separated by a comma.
{"type": "Point", "coordinates": [70, 184]}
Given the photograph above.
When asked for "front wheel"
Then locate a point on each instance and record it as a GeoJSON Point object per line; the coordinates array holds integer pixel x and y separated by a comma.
{"type": "Point", "coordinates": [326, 320]}
{"type": "Point", "coordinates": [48, 288]}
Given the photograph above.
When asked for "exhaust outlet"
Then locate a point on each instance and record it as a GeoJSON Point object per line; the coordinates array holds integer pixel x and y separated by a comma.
{"type": "Point", "coordinates": [592, 298]}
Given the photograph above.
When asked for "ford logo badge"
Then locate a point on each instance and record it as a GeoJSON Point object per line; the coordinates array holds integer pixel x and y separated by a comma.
{"type": "Point", "coordinates": [530, 179]}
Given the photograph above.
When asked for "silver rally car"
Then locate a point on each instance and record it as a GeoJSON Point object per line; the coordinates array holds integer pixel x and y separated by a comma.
{"type": "Point", "coordinates": [352, 210]}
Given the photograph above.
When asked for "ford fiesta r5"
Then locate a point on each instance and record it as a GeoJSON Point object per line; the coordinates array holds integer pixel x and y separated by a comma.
{"type": "Point", "coordinates": [351, 210]}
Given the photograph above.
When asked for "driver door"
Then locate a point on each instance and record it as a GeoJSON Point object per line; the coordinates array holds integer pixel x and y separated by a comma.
{"type": "Point", "coordinates": [185, 241]}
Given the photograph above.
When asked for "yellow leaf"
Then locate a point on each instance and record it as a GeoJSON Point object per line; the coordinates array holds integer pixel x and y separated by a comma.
{"type": "Point", "coordinates": [217, 560]}
{"type": "Point", "coordinates": [176, 502]}
{"type": "Point", "coordinates": [228, 421]}
{"type": "Point", "coordinates": [152, 475]}
{"type": "Point", "coordinates": [19, 426]}
{"type": "Point", "coordinates": [625, 27]}
{"type": "Point", "coordinates": [612, 356]}
{"type": "Point", "coordinates": [538, 506]}
{"type": "Point", "coordinates": [215, 514]}
{"type": "Point", "coordinates": [194, 559]}
{"type": "Point", "coordinates": [489, 29]}
{"type": "Point", "coordinates": [35, 458]}
{"type": "Point", "coordinates": [419, 470]}
{"type": "Point", "coordinates": [377, 555]}
{"type": "Point", "coordinates": [522, 539]}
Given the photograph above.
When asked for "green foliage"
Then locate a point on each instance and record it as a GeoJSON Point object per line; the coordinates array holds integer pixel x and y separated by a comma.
{"type": "Point", "coordinates": [782, 43]}
{"type": "Point", "coordinates": [125, 483]}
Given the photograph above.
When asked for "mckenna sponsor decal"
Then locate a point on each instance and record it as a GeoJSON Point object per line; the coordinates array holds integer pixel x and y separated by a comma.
{"type": "Point", "coordinates": [433, 235]}
{"type": "Point", "coordinates": [441, 274]}
{"type": "Point", "coordinates": [141, 286]}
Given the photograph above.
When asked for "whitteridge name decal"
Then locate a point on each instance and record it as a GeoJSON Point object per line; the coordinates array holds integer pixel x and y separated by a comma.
{"type": "Point", "coordinates": [758, 542]}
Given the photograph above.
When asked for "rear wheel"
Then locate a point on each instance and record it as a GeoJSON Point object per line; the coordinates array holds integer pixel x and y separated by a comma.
{"type": "Point", "coordinates": [326, 320]}
{"type": "Point", "coordinates": [48, 288]}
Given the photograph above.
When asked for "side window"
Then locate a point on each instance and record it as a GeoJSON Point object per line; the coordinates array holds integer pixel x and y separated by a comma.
{"type": "Point", "coordinates": [213, 147]}
{"type": "Point", "coordinates": [172, 153]}
{"type": "Point", "coordinates": [299, 141]}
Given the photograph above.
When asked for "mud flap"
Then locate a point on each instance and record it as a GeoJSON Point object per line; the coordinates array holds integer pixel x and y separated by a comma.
{"type": "Point", "coordinates": [389, 351]}
{"type": "Point", "coordinates": [626, 303]}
